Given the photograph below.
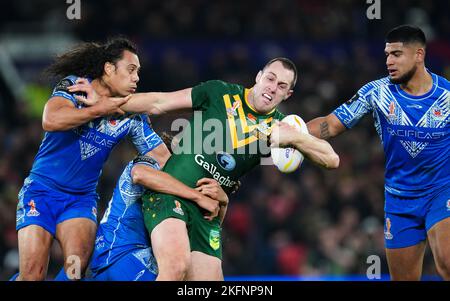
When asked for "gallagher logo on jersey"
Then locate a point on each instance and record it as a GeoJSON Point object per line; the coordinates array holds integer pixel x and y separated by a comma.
{"type": "Point", "coordinates": [226, 161]}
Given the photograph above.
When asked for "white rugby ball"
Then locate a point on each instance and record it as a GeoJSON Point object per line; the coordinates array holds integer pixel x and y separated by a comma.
{"type": "Point", "coordinates": [289, 159]}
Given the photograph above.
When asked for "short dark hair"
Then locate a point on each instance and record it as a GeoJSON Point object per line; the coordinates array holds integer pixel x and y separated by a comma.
{"type": "Point", "coordinates": [288, 64]}
{"type": "Point", "coordinates": [406, 34]}
{"type": "Point", "coordinates": [88, 59]}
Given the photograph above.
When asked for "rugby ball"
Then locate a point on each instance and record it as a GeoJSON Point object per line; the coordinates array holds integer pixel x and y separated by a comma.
{"type": "Point", "coordinates": [289, 159]}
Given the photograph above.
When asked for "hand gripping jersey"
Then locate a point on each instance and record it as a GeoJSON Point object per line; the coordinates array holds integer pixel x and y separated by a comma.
{"type": "Point", "coordinates": [122, 230]}
{"type": "Point", "coordinates": [414, 131]}
{"type": "Point", "coordinates": [225, 139]}
{"type": "Point", "coordinates": [71, 161]}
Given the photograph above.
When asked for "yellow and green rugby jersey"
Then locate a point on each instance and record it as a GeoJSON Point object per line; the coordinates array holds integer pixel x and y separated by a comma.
{"type": "Point", "coordinates": [225, 140]}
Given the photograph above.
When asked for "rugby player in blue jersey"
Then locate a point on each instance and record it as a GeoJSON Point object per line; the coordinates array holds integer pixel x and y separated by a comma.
{"type": "Point", "coordinates": [410, 108]}
{"type": "Point", "coordinates": [58, 198]}
{"type": "Point", "coordinates": [122, 246]}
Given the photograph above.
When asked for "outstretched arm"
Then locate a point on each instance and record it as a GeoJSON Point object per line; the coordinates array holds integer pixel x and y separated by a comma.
{"type": "Point", "coordinates": [152, 103]}
{"type": "Point", "coordinates": [60, 114]}
{"type": "Point", "coordinates": [157, 103]}
{"type": "Point", "coordinates": [317, 150]}
{"type": "Point", "coordinates": [325, 127]}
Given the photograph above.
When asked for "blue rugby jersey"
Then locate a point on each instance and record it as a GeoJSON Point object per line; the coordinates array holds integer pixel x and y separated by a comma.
{"type": "Point", "coordinates": [71, 161]}
{"type": "Point", "coordinates": [122, 229]}
{"type": "Point", "coordinates": [414, 131]}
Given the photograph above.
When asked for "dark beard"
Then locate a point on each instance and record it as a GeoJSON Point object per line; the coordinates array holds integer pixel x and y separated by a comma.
{"type": "Point", "coordinates": [403, 80]}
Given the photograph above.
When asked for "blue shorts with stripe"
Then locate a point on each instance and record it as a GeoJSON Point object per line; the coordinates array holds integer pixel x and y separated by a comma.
{"type": "Point", "coordinates": [138, 265]}
{"type": "Point", "coordinates": [407, 220]}
{"type": "Point", "coordinates": [46, 207]}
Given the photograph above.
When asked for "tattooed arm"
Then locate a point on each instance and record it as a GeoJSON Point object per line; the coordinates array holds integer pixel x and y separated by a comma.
{"type": "Point", "coordinates": [325, 127]}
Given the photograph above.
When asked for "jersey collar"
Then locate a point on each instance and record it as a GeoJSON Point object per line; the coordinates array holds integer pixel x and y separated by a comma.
{"type": "Point", "coordinates": [246, 92]}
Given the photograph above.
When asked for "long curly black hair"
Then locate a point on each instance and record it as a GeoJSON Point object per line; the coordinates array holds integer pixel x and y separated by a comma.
{"type": "Point", "coordinates": [88, 59]}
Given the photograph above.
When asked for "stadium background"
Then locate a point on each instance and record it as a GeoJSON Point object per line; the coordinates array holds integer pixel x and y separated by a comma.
{"type": "Point", "coordinates": [313, 224]}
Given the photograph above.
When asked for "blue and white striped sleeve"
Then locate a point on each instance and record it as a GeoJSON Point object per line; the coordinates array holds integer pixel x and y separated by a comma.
{"type": "Point", "coordinates": [142, 135]}
{"type": "Point", "coordinates": [353, 110]}
{"type": "Point", "coordinates": [61, 89]}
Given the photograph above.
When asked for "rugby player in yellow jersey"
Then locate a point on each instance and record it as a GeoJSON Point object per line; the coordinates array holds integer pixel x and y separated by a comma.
{"type": "Point", "coordinates": [185, 244]}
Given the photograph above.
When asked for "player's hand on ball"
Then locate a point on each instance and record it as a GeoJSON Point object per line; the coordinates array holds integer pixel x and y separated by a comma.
{"type": "Point", "coordinates": [282, 134]}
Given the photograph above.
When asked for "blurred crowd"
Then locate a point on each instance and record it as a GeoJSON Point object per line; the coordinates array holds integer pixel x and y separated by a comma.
{"type": "Point", "coordinates": [312, 20]}
{"type": "Point", "coordinates": [311, 222]}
